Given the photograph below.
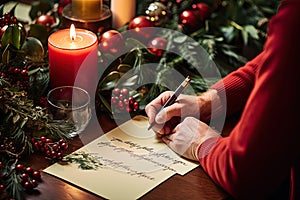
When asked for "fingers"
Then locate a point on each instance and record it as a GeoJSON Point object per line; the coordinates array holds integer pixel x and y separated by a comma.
{"type": "Point", "coordinates": [153, 107]}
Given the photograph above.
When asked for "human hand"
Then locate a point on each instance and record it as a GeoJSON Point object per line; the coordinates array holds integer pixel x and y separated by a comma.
{"type": "Point", "coordinates": [187, 137]}
{"type": "Point", "coordinates": [169, 117]}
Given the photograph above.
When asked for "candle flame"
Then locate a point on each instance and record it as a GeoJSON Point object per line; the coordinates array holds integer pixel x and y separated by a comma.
{"type": "Point", "coordinates": [72, 32]}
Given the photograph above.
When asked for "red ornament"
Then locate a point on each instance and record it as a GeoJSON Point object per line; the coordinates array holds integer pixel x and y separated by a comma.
{"type": "Point", "coordinates": [111, 42]}
{"type": "Point", "coordinates": [157, 46]}
{"type": "Point", "coordinates": [138, 23]}
{"type": "Point", "coordinates": [190, 21]}
{"type": "Point", "coordinates": [203, 10]}
{"type": "Point", "coordinates": [46, 20]}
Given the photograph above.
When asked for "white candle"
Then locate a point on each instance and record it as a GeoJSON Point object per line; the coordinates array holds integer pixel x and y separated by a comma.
{"type": "Point", "coordinates": [122, 12]}
{"type": "Point", "coordinates": [87, 9]}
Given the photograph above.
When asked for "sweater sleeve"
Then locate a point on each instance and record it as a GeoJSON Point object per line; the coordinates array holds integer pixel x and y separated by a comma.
{"type": "Point", "coordinates": [235, 88]}
{"type": "Point", "coordinates": [256, 158]}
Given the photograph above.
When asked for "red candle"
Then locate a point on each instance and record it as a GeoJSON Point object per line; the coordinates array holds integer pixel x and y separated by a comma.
{"type": "Point", "coordinates": [73, 58]}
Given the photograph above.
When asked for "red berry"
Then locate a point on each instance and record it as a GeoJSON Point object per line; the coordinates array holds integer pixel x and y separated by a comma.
{"type": "Point", "coordinates": [131, 100]}
{"type": "Point", "coordinates": [24, 177]}
{"type": "Point", "coordinates": [121, 97]}
{"type": "Point", "coordinates": [53, 154]}
{"type": "Point", "coordinates": [64, 145]}
{"type": "Point", "coordinates": [48, 153]}
{"type": "Point", "coordinates": [34, 183]}
{"type": "Point", "coordinates": [61, 141]}
{"type": "Point", "coordinates": [13, 20]}
{"type": "Point", "coordinates": [128, 109]}
{"type": "Point", "coordinates": [120, 104]}
{"type": "Point", "coordinates": [2, 187]}
{"type": "Point", "coordinates": [19, 167]}
{"type": "Point", "coordinates": [43, 139]}
{"type": "Point", "coordinates": [55, 147]}
{"type": "Point", "coordinates": [27, 185]}
{"type": "Point", "coordinates": [29, 170]}
{"type": "Point", "coordinates": [36, 175]}
{"type": "Point", "coordinates": [126, 101]}
{"type": "Point", "coordinates": [17, 70]}
{"type": "Point", "coordinates": [124, 91]}
{"type": "Point", "coordinates": [48, 140]}
{"type": "Point", "coordinates": [1, 165]}
{"type": "Point", "coordinates": [36, 145]}
{"type": "Point", "coordinates": [136, 106]}
{"type": "Point", "coordinates": [24, 72]}
{"type": "Point", "coordinates": [113, 100]}
{"type": "Point", "coordinates": [59, 155]}
{"type": "Point", "coordinates": [116, 91]}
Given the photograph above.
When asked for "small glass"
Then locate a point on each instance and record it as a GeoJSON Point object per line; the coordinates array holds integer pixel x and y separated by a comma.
{"type": "Point", "coordinates": [71, 104]}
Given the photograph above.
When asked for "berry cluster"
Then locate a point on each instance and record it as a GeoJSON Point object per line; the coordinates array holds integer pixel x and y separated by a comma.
{"type": "Point", "coordinates": [28, 177]}
{"type": "Point", "coordinates": [18, 76]}
{"type": "Point", "coordinates": [6, 20]}
{"type": "Point", "coordinates": [122, 101]}
{"type": "Point", "coordinates": [52, 150]}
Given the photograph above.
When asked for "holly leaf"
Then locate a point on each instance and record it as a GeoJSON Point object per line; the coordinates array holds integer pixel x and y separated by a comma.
{"type": "Point", "coordinates": [12, 35]}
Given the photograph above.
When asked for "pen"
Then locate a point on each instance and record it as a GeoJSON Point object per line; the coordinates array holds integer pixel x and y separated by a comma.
{"type": "Point", "coordinates": [173, 98]}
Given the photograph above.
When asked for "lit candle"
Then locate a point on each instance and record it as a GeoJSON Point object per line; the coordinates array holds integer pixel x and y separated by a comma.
{"type": "Point", "coordinates": [87, 9]}
{"type": "Point", "coordinates": [122, 12]}
{"type": "Point", "coordinates": [73, 58]}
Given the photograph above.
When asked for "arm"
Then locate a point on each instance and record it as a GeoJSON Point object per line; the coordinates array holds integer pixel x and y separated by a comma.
{"type": "Point", "coordinates": [257, 156]}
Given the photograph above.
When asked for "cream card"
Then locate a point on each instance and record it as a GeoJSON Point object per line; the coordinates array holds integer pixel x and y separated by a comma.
{"type": "Point", "coordinates": [125, 163]}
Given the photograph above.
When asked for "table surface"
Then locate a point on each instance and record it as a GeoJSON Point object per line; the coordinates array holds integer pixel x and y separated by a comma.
{"type": "Point", "coordinates": [194, 185]}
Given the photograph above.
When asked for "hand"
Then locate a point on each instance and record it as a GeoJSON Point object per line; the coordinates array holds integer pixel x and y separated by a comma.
{"type": "Point", "coordinates": [185, 105]}
{"type": "Point", "coordinates": [187, 137]}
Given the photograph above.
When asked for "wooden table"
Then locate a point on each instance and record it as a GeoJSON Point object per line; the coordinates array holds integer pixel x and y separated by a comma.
{"type": "Point", "coordinates": [194, 185]}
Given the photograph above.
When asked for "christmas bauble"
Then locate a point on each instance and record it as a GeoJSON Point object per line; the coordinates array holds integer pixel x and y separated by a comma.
{"type": "Point", "coordinates": [46, 20]}
{"type": "Point", "coordinates": [137, 24]}
{"type": "Point", "coordinates": [111, 42]}
{"type": "Point", "coordinates": [157, 46]}
{"type": "Point", "coordinates": [157, 13]}
{"type": "Point", "coordinates": [190, 21]}
{"type": "Point", "coordinates": [203, 10]}
{"type": "Point", "coordinates": [33, 49]}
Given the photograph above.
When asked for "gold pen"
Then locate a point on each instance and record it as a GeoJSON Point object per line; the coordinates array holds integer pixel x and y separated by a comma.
{"type": "Point", "coordinates": [173, 98]}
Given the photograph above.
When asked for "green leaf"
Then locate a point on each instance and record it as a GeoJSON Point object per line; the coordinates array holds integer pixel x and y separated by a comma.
{"type": "Point", "coordinates": [228, 33]}
{"type": "Point", "coordinates": [180, 39]}
{"type": "Point", "coordinates": [252, 31]}
{"type": "Point", "coordinates": [12, 35]}
{"type": "Point", "coordinates": [124, 68]}
{"type": "Point", "coordinates": [245, 36]}
{"type": "Point", "coordinates": [110, 80]}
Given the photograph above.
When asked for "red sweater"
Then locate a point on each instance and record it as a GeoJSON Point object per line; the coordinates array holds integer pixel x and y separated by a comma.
{"type": "Point", "coordinates": [262, 152]}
